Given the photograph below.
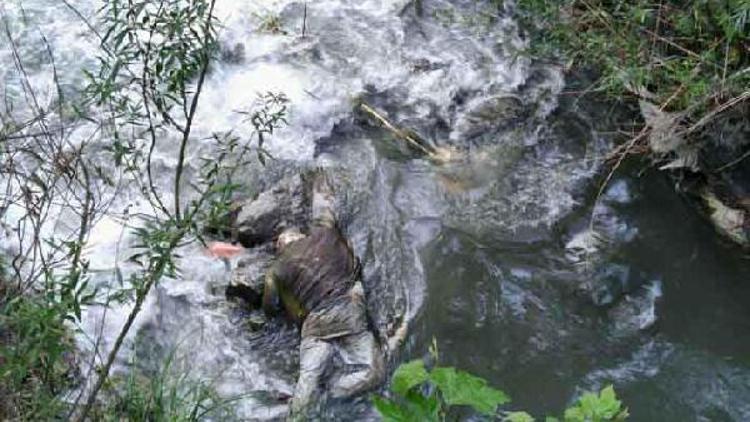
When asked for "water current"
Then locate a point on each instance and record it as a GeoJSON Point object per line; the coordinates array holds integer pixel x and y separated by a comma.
{"type": "Point", "coordinates": [494, 256]}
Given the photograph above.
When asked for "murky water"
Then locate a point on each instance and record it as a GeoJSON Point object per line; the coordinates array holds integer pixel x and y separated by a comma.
{"type": "Point", "coordinates": [492, 255]}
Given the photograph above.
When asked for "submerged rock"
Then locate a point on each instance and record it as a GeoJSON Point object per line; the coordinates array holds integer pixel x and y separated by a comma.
{"type": "Point", "coordinates": [609, 284]}
{"type": "Point", "coordinates": [484, 116]}
{"type": "Point", "coordinates": [233, 55]}
{"type": "Point", "coordinates": [636, 311]}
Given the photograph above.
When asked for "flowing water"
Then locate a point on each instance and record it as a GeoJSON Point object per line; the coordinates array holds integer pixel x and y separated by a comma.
{"type": "Point", "coordinates": [496, 256]}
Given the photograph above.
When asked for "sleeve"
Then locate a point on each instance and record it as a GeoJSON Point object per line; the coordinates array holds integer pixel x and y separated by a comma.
{"type": "Point", "coordinates": [271, 299]}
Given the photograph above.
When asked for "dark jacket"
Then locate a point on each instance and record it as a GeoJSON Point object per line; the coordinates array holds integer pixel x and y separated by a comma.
{"type": "Point", "coordinates": [311, 273]}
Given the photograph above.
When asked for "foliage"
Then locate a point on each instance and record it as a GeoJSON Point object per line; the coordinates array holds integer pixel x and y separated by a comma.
{"type": "Point", "coordinates": [270, 23]}
{"type": "Point", "coordinates": [168, 395]}
{"type": "Point", "coordinates": [687, 63]}
{"type": "Point", "coordinates": [142, 96]}
{"type": "Point", "coordinates": [448, 387]}
{"type": "Point", "coordinates": [687, 54]}
{"type": "Point", "coordinates": [596, 408]}
{"type": "Point", "coordinates": [419, 394]}
{"type": "Point", "coordinates": [33, 348]}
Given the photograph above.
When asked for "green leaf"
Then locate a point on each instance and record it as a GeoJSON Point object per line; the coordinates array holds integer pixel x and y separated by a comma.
{"type": "Point", "coordinates": [518, 417]}
{"type": "Point", "coordinates": [391, 411]}
{"type": "Point", "coordinates": [408, 375]}
{"type": "Point", "coordinates": [593, 407]}
{"type": "Point", "coordinates": [424, 408]}
{"type": "Point", "coordinates": [462, 388]}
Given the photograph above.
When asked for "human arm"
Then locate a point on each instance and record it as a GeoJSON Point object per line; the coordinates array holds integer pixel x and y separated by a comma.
{"type": "Point", "coordinates": [271, 298]}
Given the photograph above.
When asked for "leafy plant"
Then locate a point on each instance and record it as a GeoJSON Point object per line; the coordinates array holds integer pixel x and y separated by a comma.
{"type": "Point", "coordinates": [688, 59]}
{"type": "Point", "coordinates": [447, 387]}
{"type": "Point", "coordinates": [142, 97]}
{"type": "Point", "coordinates": [591, 407]}
{"type": "Point", "coordinates": [271, 23]}
{"type": "Point", "coordinates": [421, 394]}
{"type": "Point", "coordinates": [170, 394]}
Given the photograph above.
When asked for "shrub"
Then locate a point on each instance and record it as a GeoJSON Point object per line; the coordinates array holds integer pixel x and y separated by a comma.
{"type": "Point", "coordinates": [421, 394]}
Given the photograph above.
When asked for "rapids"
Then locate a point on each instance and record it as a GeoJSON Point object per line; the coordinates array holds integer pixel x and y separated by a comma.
{"type": "Point", "coordinates": [492, 255]}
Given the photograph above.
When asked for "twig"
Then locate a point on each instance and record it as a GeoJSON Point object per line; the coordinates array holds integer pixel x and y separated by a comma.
{"type": "Point", "coordinates": [85, 21]}
{"type": "Point", "coordinates": [720, 109]}
{"type": "Point", "coordinates": [642, 134]}
{"type": "Point", "coordinates": [733, 163]}
{"type": "Point", "coordinates": [400, 133]}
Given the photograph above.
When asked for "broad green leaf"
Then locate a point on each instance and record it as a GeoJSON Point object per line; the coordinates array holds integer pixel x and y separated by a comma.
{"type": "Point", "coordinates": [593, 407]}
{"type": "Point", "coordinates": [425, 408]}
{"type": "Point", "coordinates": [416, 408]}
{"type": "Point", "coordinates": [408, 375]}
{"type": "Point", "coordinates": [574, 414]}
{"type": "Point", "coordinates": [462, 388]}
{"type": "Point", "coordinates": [518, 417]}
{"type": "Point", "coordinates": [551, 419]}
{"type": "Point", "coordinates": [389, 410]}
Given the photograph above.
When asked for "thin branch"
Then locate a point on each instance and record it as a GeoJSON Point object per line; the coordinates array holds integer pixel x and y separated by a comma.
{"type": "Point", "coordinates": [718, 110]}
{"type": "Point", "coordinates": [191, 114]}
{"type": "Point", "coordinates": [733, 163]}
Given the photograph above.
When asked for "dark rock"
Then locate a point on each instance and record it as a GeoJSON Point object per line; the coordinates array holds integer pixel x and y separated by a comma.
{"type": "Point", "coordinates": [247, 281]}
{"type": "Point", "coordinates": [234, 55]}
{"type": "Point", "coordinates": [256, 320]}
{"type": "Point", "coordinates": [636, 311]}
{"type": "Point", "coordinates": [723, 185]}
{"type": "Point", "coordinates": [283, 206]}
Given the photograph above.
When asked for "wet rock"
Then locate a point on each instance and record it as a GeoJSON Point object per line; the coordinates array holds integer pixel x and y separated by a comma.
{"type": "Point", "coordinates": [283, 206]}
{"type": "Point", "coordinates": [636, 311]}
{"type": "Point", "coordinates": [721, 182]}
{"type": "Point", "coordinates": [256, 320]}
{"type": "Point", "coordinates": [582, 246]}
{"type": "Point", "coordinates": [233, 55]}
{"type": "Point", "coordinates": [732, 222]}
{"type": "Point", "coordinates": [247, 280]}
{"type": "Point", "coordinates": [600, 237]}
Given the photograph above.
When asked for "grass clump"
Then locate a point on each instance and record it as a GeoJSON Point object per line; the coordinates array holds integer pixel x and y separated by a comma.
{"type": "Point", "coordinates": [36, 356]}
{"type": "Point", "coordinates": [170, 394]}
{"type": "Point", "coordinates": [689, 56]}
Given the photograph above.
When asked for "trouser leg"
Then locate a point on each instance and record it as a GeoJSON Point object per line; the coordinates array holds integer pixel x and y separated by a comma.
{"type": "Point", "coordinates": [314, 357]}
{"type": "Point", "coordinates": [363, 364]}
{"type": "Point", "coordinates": [323, 201]}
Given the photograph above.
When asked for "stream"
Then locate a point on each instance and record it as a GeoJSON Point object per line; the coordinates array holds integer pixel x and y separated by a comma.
{"type": "Point", "coordinates": [507, 257]}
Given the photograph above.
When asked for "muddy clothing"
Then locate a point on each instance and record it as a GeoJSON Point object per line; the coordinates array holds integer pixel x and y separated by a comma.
{"type": "Point", "coordinates": [316, 279]}
{"type": "Point", "coordinates": [338, 331]}
{"type": "Point", "coordinates": [311, 274]}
